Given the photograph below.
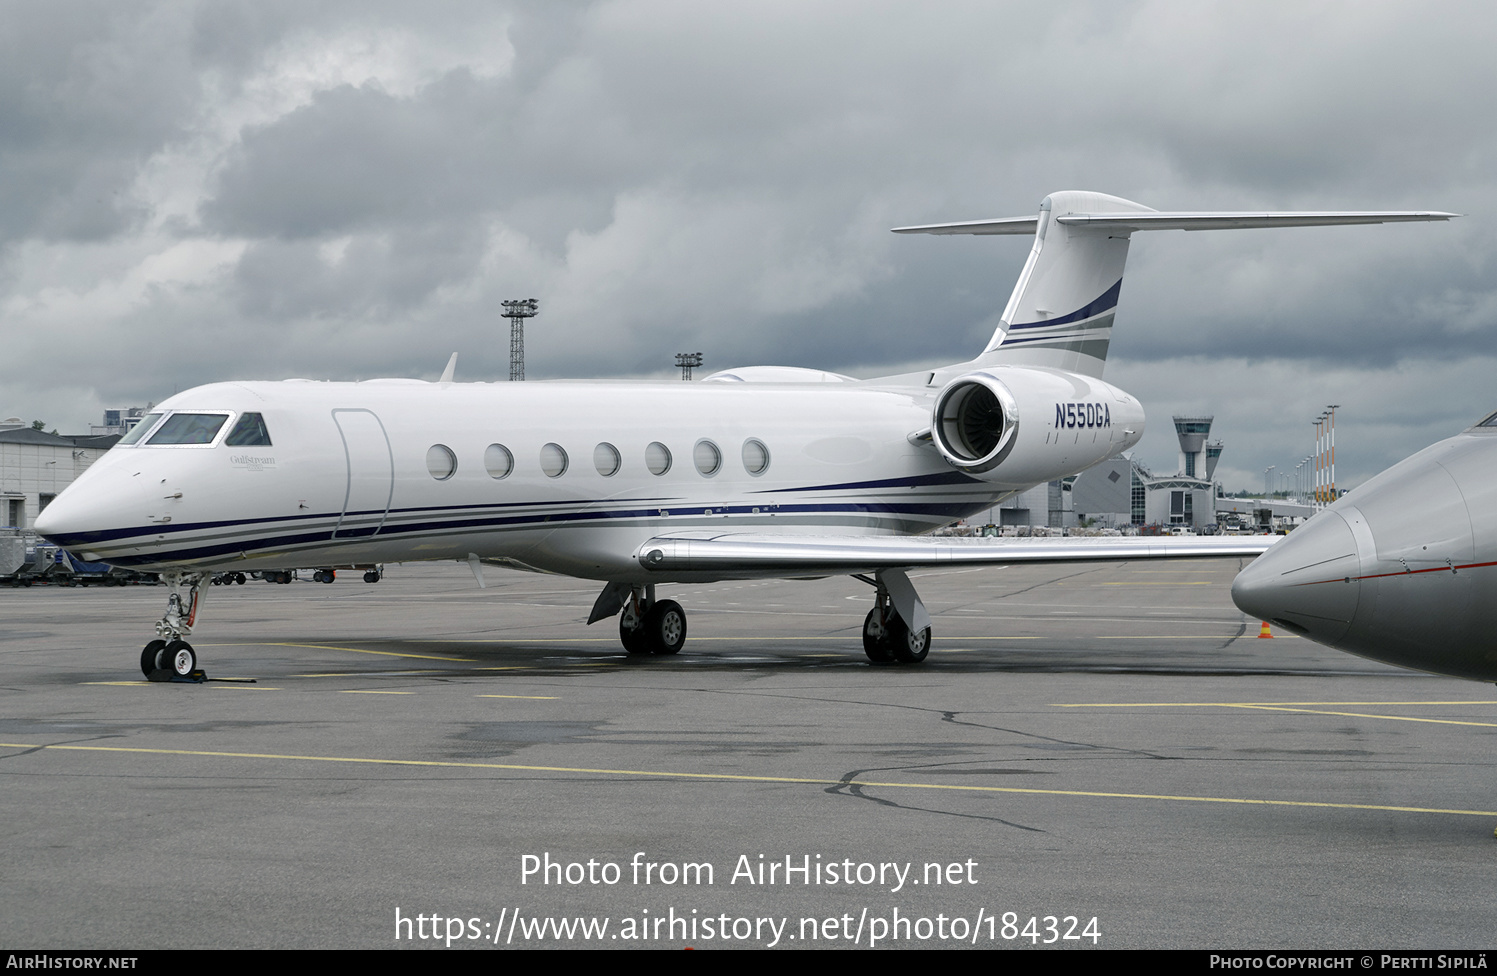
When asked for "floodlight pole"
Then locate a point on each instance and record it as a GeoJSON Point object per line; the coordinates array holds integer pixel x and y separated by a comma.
{"type": "Point", "coordinates": [1332, 409]}
{"type": "Point", "coordinates": [517, 312]}
{"type": "Point", "coordinates": [688, 361]}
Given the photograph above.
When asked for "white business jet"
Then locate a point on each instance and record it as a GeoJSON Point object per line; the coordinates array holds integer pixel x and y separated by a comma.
{"type": "Point", "coordinates": [763, 472]}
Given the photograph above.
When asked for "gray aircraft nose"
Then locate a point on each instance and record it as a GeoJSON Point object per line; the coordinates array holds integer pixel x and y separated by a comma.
{"type": "Point", "coordinates": [1306, 583]}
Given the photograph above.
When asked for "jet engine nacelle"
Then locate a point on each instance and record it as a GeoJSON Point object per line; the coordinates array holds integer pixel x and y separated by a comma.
{"type": "Point", "coordinates": [1018, 427]}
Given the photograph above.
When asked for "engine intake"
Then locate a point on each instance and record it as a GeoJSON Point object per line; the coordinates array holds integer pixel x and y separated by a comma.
{"type": "Point", "coordinates": [975, 423]}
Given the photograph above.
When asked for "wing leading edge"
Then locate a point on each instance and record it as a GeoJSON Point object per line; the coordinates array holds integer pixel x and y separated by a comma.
{"type": "Point", "coordinates": [750, 554]}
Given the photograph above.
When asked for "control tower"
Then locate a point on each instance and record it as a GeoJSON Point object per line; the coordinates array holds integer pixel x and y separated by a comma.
{"type": "Point", "coordinates": [1193, 432]}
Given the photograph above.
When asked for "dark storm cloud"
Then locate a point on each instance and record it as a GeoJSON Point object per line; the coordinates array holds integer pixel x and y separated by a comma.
{"type": "Point", "coordinates": [358, 158]}
{"type": "Point", "coordinates": [89, 90]}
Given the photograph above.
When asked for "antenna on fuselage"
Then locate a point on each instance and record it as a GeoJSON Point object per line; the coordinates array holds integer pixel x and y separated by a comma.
{"type": "Point", "coordinates": [517, 312]}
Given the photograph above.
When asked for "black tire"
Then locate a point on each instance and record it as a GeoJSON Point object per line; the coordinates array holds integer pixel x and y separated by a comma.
{"type": "Point", "coordinates": [152, 657]}
{"type": "Point", "coordinates": [371, 577]}
{"type": "Point", "coordinates": [181, 659]}
{"type": "Point", "coordinates": [666, 626]}
{"type": "Point", "coordinates": [909, 647]}
{"type": "Point", "coordinates": [635, 640]}
{"type": "Point", "coordinates": [876, 639]}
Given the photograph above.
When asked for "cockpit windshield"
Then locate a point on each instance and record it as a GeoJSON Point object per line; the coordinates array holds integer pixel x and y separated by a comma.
{"type": "Point", "coordinates": [250, 431]}
{"type": "Point", "coordinates": [188, 428]}
{"type": "Point", "coordinates": [140, 430]}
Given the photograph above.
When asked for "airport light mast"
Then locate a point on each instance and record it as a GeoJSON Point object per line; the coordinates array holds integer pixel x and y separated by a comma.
{"type": "Point", "coordinates": [688, 361]}
{"type": "Point", "coordinates": [1332, 446]}
{"type": "Point", "coordinates": [517, 312]}
{"type": "Point", "coordinates": [1319, 422]}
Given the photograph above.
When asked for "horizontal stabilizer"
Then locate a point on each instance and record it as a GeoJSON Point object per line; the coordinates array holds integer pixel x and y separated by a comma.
{"type": "Point", "coordinates": [746, 554]}
{"type": "Point", "coordinates": [1208, 220]}
{"type": "Point", "coordinates": [1184, 220]}
{"type": "Point", "coordinates": [1001, 225]}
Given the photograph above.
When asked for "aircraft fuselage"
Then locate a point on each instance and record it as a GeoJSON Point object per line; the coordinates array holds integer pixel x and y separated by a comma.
{"type": "Point", "coordinates": [564, 477]}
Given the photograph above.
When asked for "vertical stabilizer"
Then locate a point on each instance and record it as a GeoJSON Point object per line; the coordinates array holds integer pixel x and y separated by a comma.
{"type": "Point", "coordinates": [1060, 313]}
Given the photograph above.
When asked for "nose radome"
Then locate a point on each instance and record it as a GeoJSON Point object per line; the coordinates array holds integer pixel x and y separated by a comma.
{"type": "Point", "coordinates": [77, 514]}
{"type": "Point", "coordinates": [53, 519]}
{"type": "Point", "coordinates": [1307, 582]}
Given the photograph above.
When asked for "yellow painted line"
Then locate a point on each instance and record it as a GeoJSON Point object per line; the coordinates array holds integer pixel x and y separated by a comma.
{"type": "Point", "coordinates": [1164, 583]}
{"type": "Point", "coordinates": [356, 692]}
{"type": "Point", "coordinates": [1289, 707]}
{"type": "Point", "coordinates": [1170, 637]}
{"type": "Point", "coordinates": [363, 674]}
{"type": "Point", "coordinates": [731, 777]}
{"type": "Point", "coordinates": [535, 697]}
{"type": "Point", "coordinates": [1264, 704]}
{"type": "Point", "coordinates": [219, 683]}
{"type": "Point", "coordinates": [1390, 718]}
{"type": "Point", "coordinates": [521, 640]}
{"type": "Point", "coordinates": [360, 650]}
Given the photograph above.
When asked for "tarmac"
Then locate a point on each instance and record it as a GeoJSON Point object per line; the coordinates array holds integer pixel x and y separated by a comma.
{"type": "Point", "coordinates": [1097, 756]}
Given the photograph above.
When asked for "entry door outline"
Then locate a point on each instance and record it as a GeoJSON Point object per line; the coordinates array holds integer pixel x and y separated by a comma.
{"type": "Point", "coordinates": [367, 454]}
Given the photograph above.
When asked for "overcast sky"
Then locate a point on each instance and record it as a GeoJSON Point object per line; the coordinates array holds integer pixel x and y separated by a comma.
{"type": "Point", "coordinates": [192, 192]}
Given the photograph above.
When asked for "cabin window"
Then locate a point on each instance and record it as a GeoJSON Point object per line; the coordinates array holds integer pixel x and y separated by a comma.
{"type": "Point", "coordinates": [498, 461]}
{"type": "Point", "coordinates": [441, 463]}
{"type": "Point", "coordinates": [189, 428]}
{"type": "Point", "coordinates": [249, 432]}
{"type": "Point", "coordinates": [553, 461]}
{"type": "Point", "coordinates": [658, 458]}
{"type": "Point", "coordinates": [707, 458]}
{"type": "Point", "coordinates": [755, 456]}
{"type": "Point", "coordinates": [607, 460]}
{"type": "Point", "coordinates": [140, 430]}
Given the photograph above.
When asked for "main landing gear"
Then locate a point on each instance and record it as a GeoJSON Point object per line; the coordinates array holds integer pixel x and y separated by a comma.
{"type": "Point", "coordinates": [169, 657]}
{"type": "Point", "coordinates": [647, 625]}
{"type": "Point", "coordinates": [887, 636]}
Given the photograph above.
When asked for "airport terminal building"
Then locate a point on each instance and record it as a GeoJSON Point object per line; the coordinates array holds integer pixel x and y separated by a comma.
{"type": "Point", "coordinates": [35, 466]}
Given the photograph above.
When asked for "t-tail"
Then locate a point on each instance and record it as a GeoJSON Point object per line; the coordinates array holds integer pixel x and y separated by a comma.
{"type": "Point", "coordinates": [1060, 313]}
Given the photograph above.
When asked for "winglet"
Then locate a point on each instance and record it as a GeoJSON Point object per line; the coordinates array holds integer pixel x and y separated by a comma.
{"type": "Point", "coordinates": [450, 370]}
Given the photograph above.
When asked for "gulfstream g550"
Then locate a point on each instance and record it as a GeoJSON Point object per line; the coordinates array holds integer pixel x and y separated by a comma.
{"type": "Point", "coordinates": [754, 473]}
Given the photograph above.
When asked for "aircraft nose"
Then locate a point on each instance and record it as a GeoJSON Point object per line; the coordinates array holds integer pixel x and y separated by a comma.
{"type": "Point", "coordinates": [60, 520]}
{"type": "Point", "coordinates": [1308, 582]}
{"type": "Point", "coordinates": [75, 517]}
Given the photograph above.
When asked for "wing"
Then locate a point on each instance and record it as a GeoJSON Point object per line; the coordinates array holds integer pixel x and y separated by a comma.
{"type": "Point", "coordinates": [750, 555]}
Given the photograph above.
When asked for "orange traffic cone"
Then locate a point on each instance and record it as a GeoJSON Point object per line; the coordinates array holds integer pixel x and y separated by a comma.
{"type": "Point", "coordinates": [1265, 632]}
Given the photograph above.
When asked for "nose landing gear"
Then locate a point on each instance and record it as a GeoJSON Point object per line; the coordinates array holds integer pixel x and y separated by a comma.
{"type": "Point", "coordinates": [169, 657]}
